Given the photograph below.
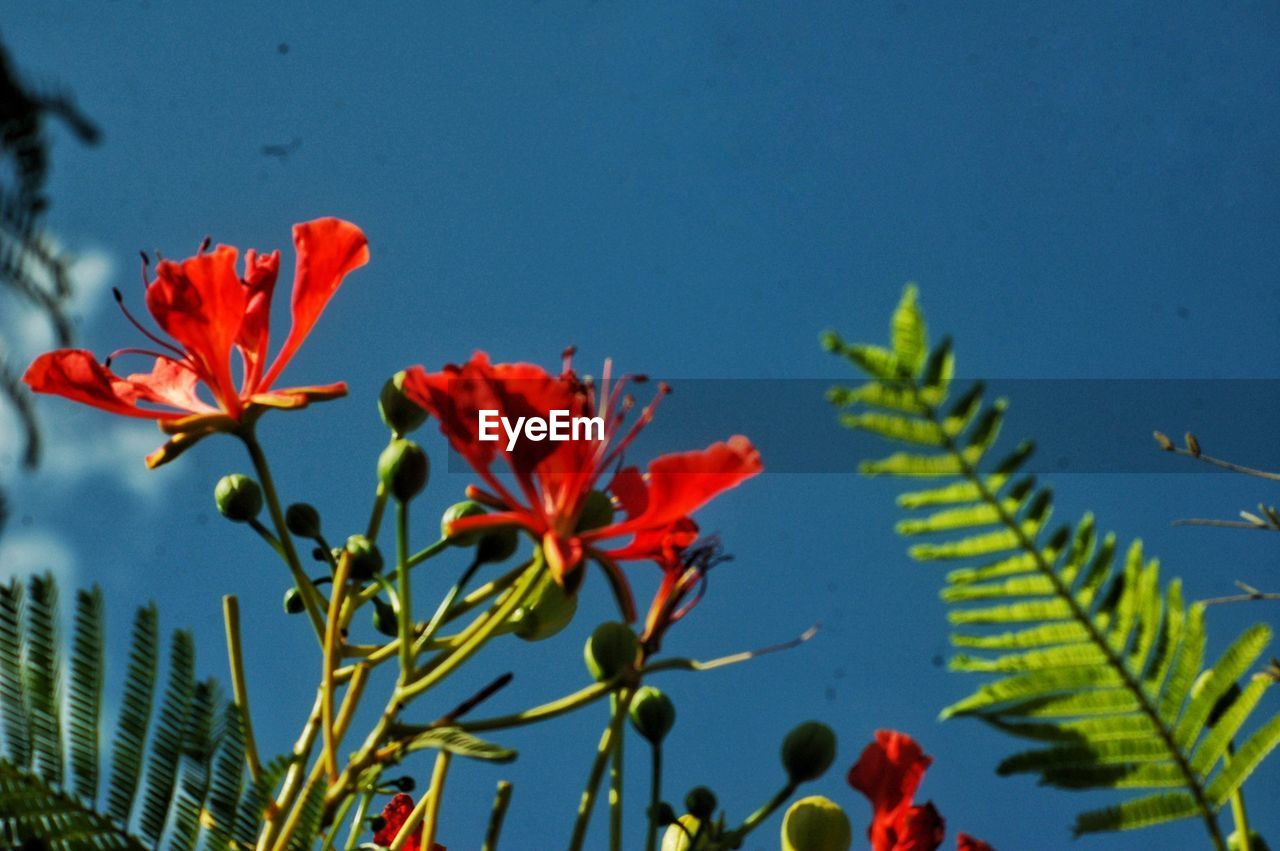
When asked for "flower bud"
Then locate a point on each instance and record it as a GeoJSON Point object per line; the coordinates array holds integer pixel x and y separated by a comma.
{"type": "Point", "coordinates": [303, 520]}
{"type": "Point", "coordinates": [597, 512]}
{"type": "Point", "coordinates": [238, 498]}
{"type": "Point", "coordinates": [403, 469]}
{"type": "Point", "coordinates": [404, 784]}
{"type": "Point", "coordinates": [384, 618]}
{"type": "Point", "coordinates": [677, 835]}
{"type": "Point", "coordinates": [497, 545]}
{"type": "Point", "coordinates": [808, 750]}
{"type": "Point", "coordinates": [662, 814]}
{"type": "Point", "coordinates": [816, 824]}
{"type": "Point", "coordinates": [610, 650]}
{"type": "Point", "coordinates": [293, 603]}
{"type": "Point", "coordinates": [401, 414]}
{"type": "Point", "coordinates": [700, 802]}
{"type": "Point", "coordinates": [366, 560]}
{"type": "Point", "coordinates": [548, 611]}
{"type": "Point", "coordinates": [653, 715]}
{"type": "Point", "coordinates": [457, 511]}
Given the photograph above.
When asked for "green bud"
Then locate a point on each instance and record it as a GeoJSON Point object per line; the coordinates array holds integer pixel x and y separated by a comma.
{"type": "Point", "coordinates": [548, 610]}
{"type": "Point", "coordinates": [610, 650]}
{"type": "Point", "coordinates": [457, 511]}
{"type": "Point", "coordinates": [1256, 842]}
{"type": "Point", "coordinates": [497, 545]}
{"type": "Point", "coordinates": [808, 750]}
{"type": "Point", "coordinates": [676, 837]}
{"type": "Point", "coordinates": [384, 618]}
{"type": "Point", "coordinates": [302, 520]}
{"type": "Point", "coordinates": [816, 824]}
{"type": "Point", "coordinates": [238, 498]}
{"type": "Point", "coordinates": [403, 469]}
{"type": "Point", "coordinates": [401, 414]}
{"type": "Point", "coordinates": [653, 715]}
{"type": "Point", "coordinates": [662, 814]}
{"type": "Point", "coordinates": [366, 560]}
{"type": "Point", "coordinates": [597, 512]}
{"type": "Point", "coordinates": [293, 603]}
{"type": "Point", "coordinates": [700, 802]}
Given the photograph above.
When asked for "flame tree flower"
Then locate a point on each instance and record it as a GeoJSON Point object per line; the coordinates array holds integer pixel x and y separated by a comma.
{"type": "Point", "coordinates": [211, 311]}
{"type": "Point", "coordinates": [557, 482]}
{"type": "Point", "coordinates": [888, 772]}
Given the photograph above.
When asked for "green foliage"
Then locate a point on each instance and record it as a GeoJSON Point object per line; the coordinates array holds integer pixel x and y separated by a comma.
{"type": "Point", "coordinates": [1089, 657]}
{"type": "Point", "coordinates": [175, 780]}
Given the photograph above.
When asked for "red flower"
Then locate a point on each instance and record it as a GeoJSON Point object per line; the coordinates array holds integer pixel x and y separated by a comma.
{"type": "Point", "coordinates": [555, 478]}
{"type": "Point", "coordinates": [888, 773]}
{"type": "Point", "coordinates": [208, 310]}
{"type": "Point", "coordinates": [394, 815]}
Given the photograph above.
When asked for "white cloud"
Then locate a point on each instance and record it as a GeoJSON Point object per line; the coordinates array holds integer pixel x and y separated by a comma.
{"type": "Point", "coordinates": [23, 553]}
{"type": "Point", "coordinates": [77, 444]}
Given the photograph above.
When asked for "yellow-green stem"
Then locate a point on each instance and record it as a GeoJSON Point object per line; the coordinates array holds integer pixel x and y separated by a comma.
{"type": "Point", "coordinates": [239, 684]}
{"type": "Point", "coordinates": [311, 598]}
{"type": "Point", "coordinates": [607, 742]}
{"type": "Point", "coordinates": [501, 800]}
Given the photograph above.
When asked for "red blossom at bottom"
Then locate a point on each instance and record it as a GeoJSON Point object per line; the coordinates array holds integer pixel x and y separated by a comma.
{"type": "Point", "coordinates": [394, 815]}
{"type": "Point", "coordinates": [888, 773]}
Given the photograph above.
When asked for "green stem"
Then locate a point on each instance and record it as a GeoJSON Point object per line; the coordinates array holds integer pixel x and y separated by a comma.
{"type": "Point", "coordinates": [615, 786]}
{"type": "Point", "coordinates": [452, 658]}
{"type": "Point", "coordinates": [310, 596]}
{"type": "Point", "coordinates": [357, 823]}
{"type": "Point", "coordinates": [501, 801]}
{"type": "Point", "coordinates": [757, 818]}
{"type": "Point", "coordinates": [332, 836]}
{"type": "Point", "coordinates": [1238, 813]}
{"type": "Point", "coordinates": [375, 517]}
{"type": "Point", "coordinates": [588, 802]}
{"type": "Point", "coordinates": [404, 615]}
{"type": "Point", "coordinates": [655, 798]}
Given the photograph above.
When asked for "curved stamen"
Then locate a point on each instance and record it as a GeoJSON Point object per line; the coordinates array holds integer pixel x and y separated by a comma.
{"type": "Point", "coordinates": [134, 351]}
{"type": "Point", "coordinates": [119, 296]}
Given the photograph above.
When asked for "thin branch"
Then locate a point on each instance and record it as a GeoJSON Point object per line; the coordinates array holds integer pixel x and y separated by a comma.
{"type": "Point", "coordinates": [1250, 594]}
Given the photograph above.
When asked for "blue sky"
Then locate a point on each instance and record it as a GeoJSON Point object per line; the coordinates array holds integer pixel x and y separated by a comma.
{"type": "Point", "coordinates": [1082, 190]}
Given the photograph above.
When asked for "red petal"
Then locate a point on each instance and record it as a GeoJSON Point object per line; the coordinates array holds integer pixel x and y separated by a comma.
{"type": "Point", "coordinates": [965, 842]}
{"type": "Point", "coordinates": [888, 772]}
{"type": "Point", "coordinates": [254, 339]}
{"type": "Point", "coordinates": [77, 375]}
{"type": "Point", "coordinates": [681, 483]}
{"type": "Point", "coordinates": [327, 250]}
{"type": "Point", "coordinates": [921, 829]}
{"type": "Point", "coordinates": [394, 815]}
{"type": "Point", "coordinates": [200, 302]}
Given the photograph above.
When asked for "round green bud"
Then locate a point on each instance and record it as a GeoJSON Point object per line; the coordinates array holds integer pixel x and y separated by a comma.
{"type": "Point", "coordinates": [816, 824]}
{"type": "Point", "coordinates": [700, 802]}
{"type": "Point", "coordinates": [238, 498]}
{"type": "Point", "coordinates": [653, 715]}
{"type": "Point", "coordinates": [366, 560]}
{"type": "Point", "coordinates": [401, 414]}
{"type": "Point", "coordinates": [548, 610]}
{"type": "Point", "coordinates": [597, 512]}
{"type": "Point", "coordinates": [303, 520]}
{"type": "Point", "coordinates": [497, 545]}
{"type": "Point", "coordinates": [403, 469]}
{"type": "Point", "coordinates": [457, 511]}
{"type": "Point", "coordinates": [808, 751]}
{"type": "Point", "coordinates": [1256, 842]}
{"type": "Point", "coordinates": [676, 837]}
{"type": "Point", "coordinates": [610, 650]}
{"type": "Point", "coordinates": [293, 603]}
{"type": "Point", "coordinates": [662, 814]}
{"type": "Point", "coordinates": [384, 618]}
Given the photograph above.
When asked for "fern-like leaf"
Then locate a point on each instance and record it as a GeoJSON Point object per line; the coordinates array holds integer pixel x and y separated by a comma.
{"type": "Point", "coordinates": [49, 740]}
{"type": "Point", "coordinates": [1090, 657]}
